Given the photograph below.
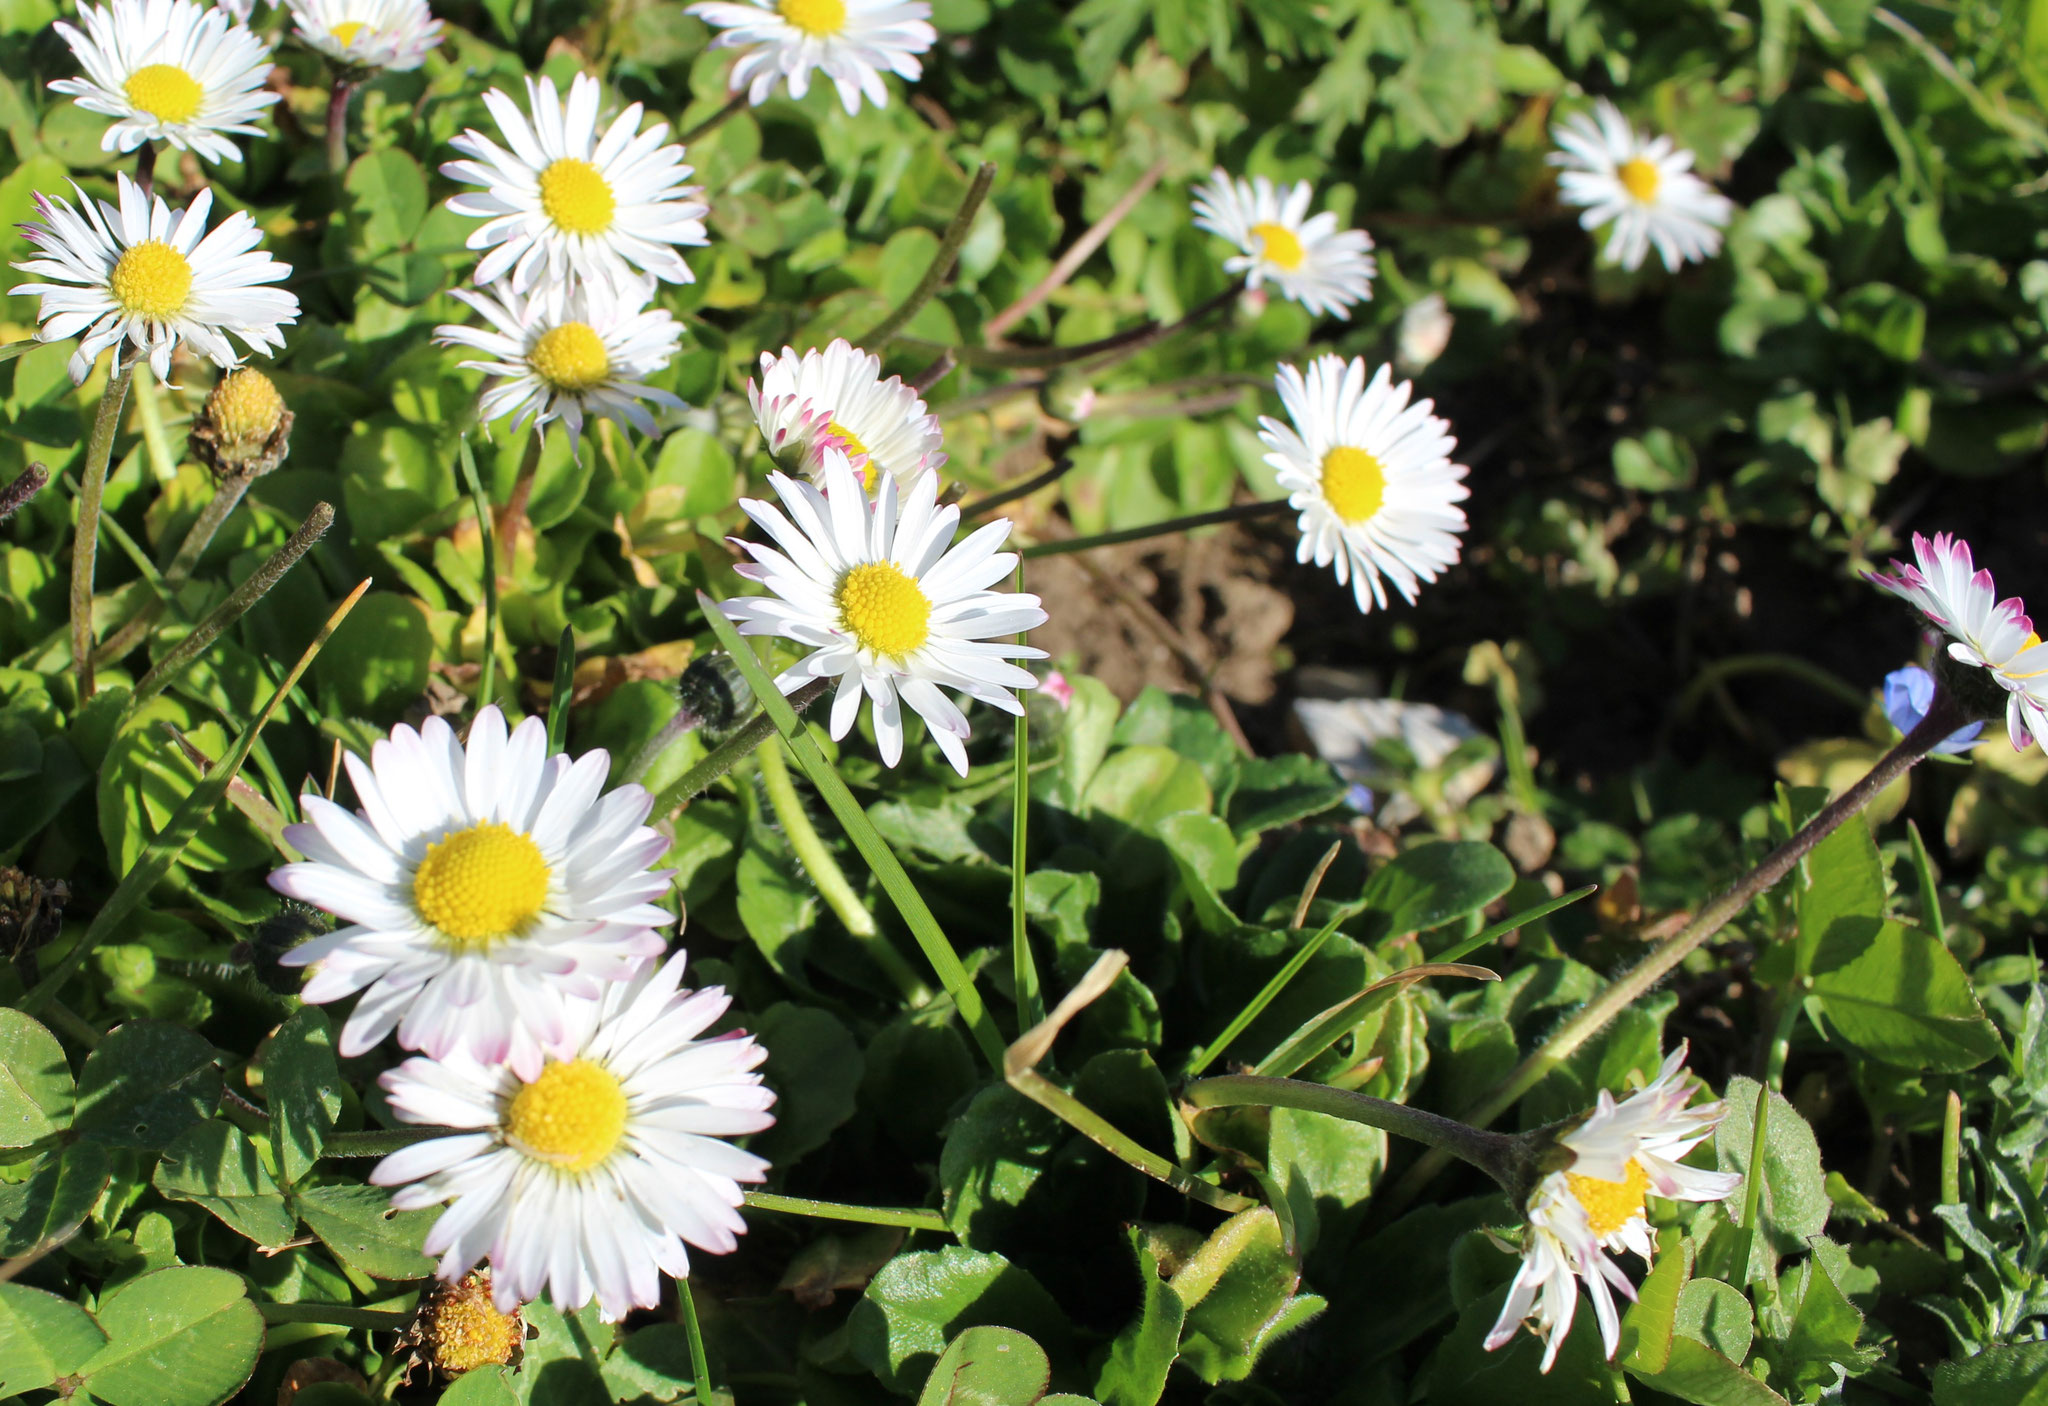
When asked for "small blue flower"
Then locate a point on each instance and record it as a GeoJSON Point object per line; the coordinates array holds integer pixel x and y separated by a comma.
{"type": "Point", "coordinates": [1359, 798]}
{"type": "Point", "coordinates": [1908, 693]}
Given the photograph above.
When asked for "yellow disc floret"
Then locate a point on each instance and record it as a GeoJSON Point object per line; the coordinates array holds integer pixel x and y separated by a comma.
{"type": "Point", "coordinates": [571, 1117]}
{"type": "Point", "coordinates": [818, 18]}
{"type": "Point", "coordinates": [245, 408]}
{"type": "Point", "coordinates": [885, 611]}
{"type": "Point", "coordinates": [1610, 1205]}
{"type": "Point", "coordinates": [151, 280]}
{"type": "Point", "coordinates": [344, 34]}
{"type": "Point", "coordinates": [1354, 483]}
{"type": "Point", "coordinates": [482, 884]}
{"type": "Point", "coordinates": [577, 197]}
{"type": "Point", "coordinates": [850, 442]}
{"type": "Point", "coordinates": [1640, 178]}
{"type": "Point", "coordinates": [1279, 246]}
{"type": "Point", "coordinates": [459, 1328]}
{"type": "Point", "coordinates": [164, 91]}
{"type": "Point", "coordinates": [570, 357]}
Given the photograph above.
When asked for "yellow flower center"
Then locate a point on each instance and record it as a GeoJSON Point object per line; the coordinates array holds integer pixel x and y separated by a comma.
{"type": "Point", "coordinates": [482, 884]}
{"type": "Point", "coordinates": [851, 443]}
{"type": "Point", "coordinates": [818, 18]}
{"type": "Point", "coordinates": [152, 280]}
{"type": "Point", "coordinates": [1640, 178]}
{"type": "Point", "coordinates": [345, 33]}
{"type": "Point", "coordinates": [572, 1116]}
{"type": "Point", "coordinates": [1278, 245]}
{"type": "Point", "coordinates": [886, 611]}
{"type": "Point", "coordinates": [576, 196]}
{"type": "Point", "coordinates": [1610, 1205]}
{"type": "Point", "coordinates": [570, 357]}
{"type": "Point", "coordinates": [1354, 483]}
{"type": "Point", "coordinates": [164, 91]}
{"type": "Point", "coordinates": [462, 1329]}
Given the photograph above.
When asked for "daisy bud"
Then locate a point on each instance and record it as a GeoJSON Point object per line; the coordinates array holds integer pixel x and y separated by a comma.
{"type": "Point", "coordinates": [459, 1329]}
{"type": "Point", "coordinates": [713, 692]}
{"type": "Point", "coordinates": [244, 430]}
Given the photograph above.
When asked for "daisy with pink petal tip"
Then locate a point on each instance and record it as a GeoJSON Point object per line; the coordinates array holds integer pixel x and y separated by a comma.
{"type": "Point", "coordinates": [491, 892]}
{"type": "Point", "coordinates": [837, 399]}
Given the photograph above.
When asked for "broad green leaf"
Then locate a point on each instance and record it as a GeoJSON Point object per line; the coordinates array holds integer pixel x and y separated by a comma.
{"type": "Point", "coordinates": [1205, 854]}
{"type": "Point", "coordinates": [1326, 1169]}
{"type": "Point", "coordinates": [1276, 791]}
{"type": "Point", "coordinates": [814, 1064]}
{"type": "Point", "coordinates": [1647, 1328]}
{"type": "Point", "coordinates": [988, 1367]}
{"type": "Point", "coordinates": [175, 1337]}
{"type": "Point", "coordinates": [145, 1084]}
{"type": "Point", "coordinates": [1717, 1315]}
{"type": "Point", "coordinates": [1793, 1204]}
{"type": "Point", "coordinates": [1240, 1290]}
{"type": "Point", "coordinates": [42, 1338]}
{"type": "Point", "coordinates": [1698, 1374]}
{"type": "Point", "coordinates": [302, 1085]}
{"type": "Point", "coordinates": [377, 661]}
{"type": "Point", "coordinates": [652, 1364]}
{"type": "Point", "coordinates": [922, 1300]}
{"type": "Point", "coordinates": [1845, 878]}
{"type": "Point", "coordinates": [1821, 1345]}
{"type": "Point", "coordinates": [564, 1358]}
{"type": "Point", "coordinates": [212, 1165]}
{"type": "Point", "coordinates": [1431, 884]}
{"type": "Point", "coordinates": [2011, 1374]}
{"type": "Point", "coordinates": [358, 1224]}
{"type": "Point", "coordinates": [1143, 785]}
{"type": "Point", "coordinates": [49, 1203]}
{"type": "Point", "coordinates": [1900, 996]}
{"type": "Point", "coordinates": [996, 1151]}
{"type": "Point", "coordinates": [35, 1081]}
{"type": "Point", "coordinates": [1134, 1371]}
{"type": "Point", "coordinates": [485, 1386]}
{"type": "Point", "coordinates": [388, 197]}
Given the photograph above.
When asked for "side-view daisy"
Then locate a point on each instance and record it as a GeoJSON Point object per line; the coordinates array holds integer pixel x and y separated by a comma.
{"type": "Point", "coordinates": [1322, 267]}
{"type": "Point", "coordinates": [490, 894]}
{"type": "Point", "coordinates": [394, 35]}
{"type": "Point", "coordinates": [168, 70]}
{"type": "Point", "coordinates": [587, 1176]}
{"type": "Point", "coordinates": [1946, 586]}
{"type": "Point", "coordinates": [887, 604]}
{"type": "Point", "coordinates": [138, 272]}
{"type": "Point", "coordinates": [1622, 1152]}
{"type": "Point", "coordinates": [1644, 187]}
{"type": "Point", "coordinates": [851, 42]}
{"type": "Point", "coordinates": [566, 201]}
{"type": "Point", "coordinates": [1371, 476]}
{"type": "Point", "coordinates": [562, 354]}
{"type": "Point", "coordinates": [837, 399]}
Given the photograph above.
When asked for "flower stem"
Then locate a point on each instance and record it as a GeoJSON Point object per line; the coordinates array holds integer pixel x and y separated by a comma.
{"type": "Point", "coordinates": [722, 758]}
{"type": "Point", "coordinates": [99, 451]}
{"type": "Point", "coordinates": [700, 1364]}
{"type": "Point", "coordinates": [29, 482]}
{"type": "Point", "coordinates": [145, 169]}
{"type": "Point", "coordinates": [1242, 512]}
{"type": "Point", "coordinates": [908, 1218]}
{"type": "Point", "coordinates": [941, 265]}
{"type": "Point", "coordinates": [337, 1315]}
{"type": "Point", "coordinates": [1943, 717]}
{"type": "Point", "coordinates": [382, 1142]}
{"type": "Point", "coordinates": [1118, 346]}
{"type": "Point", "coordinates": [227, 496]}
{"type": "Point", "coordinates": [715, 120]}
{"type": "Point", "coordinates": [1071, 261]}
{"type": "Point", "coordinates": [337, 126]}
{"type": "Point", "coordinates": [981, 506]}
{"type": "Point", "coordinates": [829, 879]}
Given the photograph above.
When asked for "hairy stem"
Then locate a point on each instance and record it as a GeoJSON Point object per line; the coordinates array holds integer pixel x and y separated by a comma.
{"type": "Point", "coordinates": [715, 120]}
{"type": "Point", "coordinates": [1069, 262]}
{"type": "Point", "coordinates": [337, 126]}
{"type": "Point", "coordinates": [722, 758]}
{"type": "Point", "coordinates": [941, 265]}
{"type": "Point", "coordinates": [1242, 512]}
{"type": "Point", "coordinates": [29, 482]}
{"type": "Point", "coordinates": [227, 496]}
{"type": "Point", "coordinates": [92, 488]}
{"type": "Point", "coordinates": [909, 1218]}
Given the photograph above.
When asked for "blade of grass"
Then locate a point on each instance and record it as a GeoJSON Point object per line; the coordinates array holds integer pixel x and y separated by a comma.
{"type": "Point", "coordinates": [910, 1218]}
{"type": "Point", "coordinates": [1930, 891]}
{"type": "Point", "coordinates": [155, 861]}
{"type": "Point", "coordinates": [1507, 925]}
{"type": "Point", "coordinates": [486, 531]}
{"type": "Point", "coordinates": [1204, 1057]}
{"type": "Point", "coordinates": [565, 688]}
{"type": "Point", "coordinates": [1023, 965]}
{"type": "Point", "coordinates": [938, 950]}
{"type": "Point", "coordinates": [1320, 1032]}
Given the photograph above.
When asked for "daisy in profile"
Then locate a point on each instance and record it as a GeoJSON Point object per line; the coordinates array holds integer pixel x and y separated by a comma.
{"type": "Point", "coordinates": [1308, 258]}
{"type": "Point", "coordinates": [566, 201]}
{"type": "Point", "coordinates": [1946, 586]}
{"type": "Point", "coordinates": [837, 399]}
{"type": "Point", "coordinates": [137, 272]}
{"type": "Point", "coordinates": [168, 70]}
{"type": "Point", "coordinates": [1371, 476]}
{"type": "Point", "coordinates": [887, 604]}
{"type": "Point", "coordinates": [586, 1176]}
{"type": "Point", "coordinates": [1623, 1152]}
{"type": "Point", "coordinates": [849, 41]}
{"type": "Point", "coordinates": [393, 35]}
{"type": "Point", "coordinates": [490, 893]}
{"type": "Point", "coordinates": [1643, 187]}
{"type": "Point", "coordinates": [567, 353]}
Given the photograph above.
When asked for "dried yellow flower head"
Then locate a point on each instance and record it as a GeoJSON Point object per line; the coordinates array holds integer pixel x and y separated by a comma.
{"type": "Point", "coordinates": [244, 426]}
{"type": "Point", "coordinates": [458, 1329]}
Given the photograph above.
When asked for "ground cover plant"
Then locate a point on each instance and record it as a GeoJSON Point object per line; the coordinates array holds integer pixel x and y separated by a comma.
{"type": "Point", "coordinates": [836, 701]}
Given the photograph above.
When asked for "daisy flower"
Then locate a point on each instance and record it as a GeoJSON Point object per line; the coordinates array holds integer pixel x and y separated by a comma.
{"type": "Point", "coordinates": [490, 894]}
{"type": "Point", "coordinates": [1622, 1152]}
{"type": "Point", "coordinates": [564, 353]}
{"type": "Point", "coordinates": [137, 272]}
{"type": "Point", "coordinates": [565, 201]}
{"type": "Point", "coordinates": [1310, 260]}
{"type": "Point", "coordinates": [1985, 632]}
{"type": "Point", "coordinates": [1643, 186]}
{"type": "Point", "coordinates": [1371, 476]}
{"type": "Point", "coordinates": [849, 41]}
{"type": "Point", "coordinates": [885, 605]}
{"type": "Point", "coordinates": [587, 1176]}
{"type": "Point", "coordinates": [836, 399]}
{"type": "Point", "coordinates": [393, 35]}
{"type": "Point", "coordinates": [168, 70]}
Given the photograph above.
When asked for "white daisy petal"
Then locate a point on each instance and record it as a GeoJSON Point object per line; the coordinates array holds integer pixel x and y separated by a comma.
{"type": "Point", "coordinates": [849, 41]}
{"type": "Point", "coordinates": [1642, 188]}
{"type": "Point", "coordinates": [393, 35]}
{"type": "Point", "coordinates": [1311, 261]}
{"type": "Point", "coordinates": [169, 70]}
{"type": "Point", "coordinates": [836, 399]}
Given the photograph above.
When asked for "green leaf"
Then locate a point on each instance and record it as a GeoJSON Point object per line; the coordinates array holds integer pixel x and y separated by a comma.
{"type": "Point", "coordinates": [1698, 1374]}
{"type": "Point", "coordinates": [1143, 785]}
{"type": "Point", "coordinates": [1793, 1203]}
{"type": "Point", "coordinates": [815, 1065]}
{"type": "Point", "coordinates": [1240, 1290]}
{"type": "Point", "coordinates": [1716, 1315]}
{"type": "Point", "coordinates": [1901, 997]}
{"type": "Point", "coordinates": [212, 1165]}
{"type": "Point", "coordinates": [175, 1337]}
{"type": "Point", "coordinates": [358, 1224]}
{"type": "Point", "coordinates": [564, 1359]}
{"type": "Point", "coordinates": [145, 1084]}
{"type": "Point", "coordinates": [302, 1085]}
{"type": "Point", "coordinates": [35, 1081]}
{"type": "Point", "coordinates": [1648, 1327]}
{"type": "Point", "coordinates": [377, 661]}
{"type": "Point", "coordinates": [387, 197]}
{"type": "Point", "coordinates": [52, 1201]}
{"type": "Point", "coordinates": [995, 1153]}
{"type": "Point", "coordinates": [1276, 791]}
{"type": "Point", "coordinates": [1142, 1353]}
{"type": "Point", "coordinates": [1433, 884]}
{"type": "Point", "coordinates": [1205, 853]}
{"type": "Point", "coordinates": [1821, 1345]}
{"type": "Point", "coordinates": [42, 1338]}
{"type": "Point", "coordinates": [988, 1367]}
{"type": "Point", "coordinates": [2011, 1374]}
{"type": "Point", "coordinates": [1845, 878]}
{"type": "Point", "coordinates": [922, 1300]}
{"type": "Point", "coordinates": [652, 1365]}
{"type": "Point", "coordinates": [484, 1386]}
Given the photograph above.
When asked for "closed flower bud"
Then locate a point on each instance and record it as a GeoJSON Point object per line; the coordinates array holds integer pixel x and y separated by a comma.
{"type": "Point", "coordinates": [244, 428]}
